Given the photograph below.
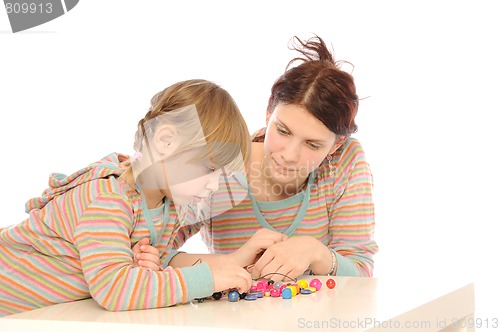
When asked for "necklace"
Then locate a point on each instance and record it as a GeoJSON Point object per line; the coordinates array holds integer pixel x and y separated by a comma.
{"type": "Point", "coordinates": [300, 214]}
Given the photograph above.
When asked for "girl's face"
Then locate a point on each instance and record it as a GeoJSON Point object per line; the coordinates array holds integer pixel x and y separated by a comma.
{"type": "Point", "coordinates": [191, 180]}
{"type": "Point", "coordinates": [295, 144]}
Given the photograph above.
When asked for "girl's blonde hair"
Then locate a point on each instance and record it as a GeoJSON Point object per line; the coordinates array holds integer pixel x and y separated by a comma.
{"type": "Point", "coordinates": [224, 129]}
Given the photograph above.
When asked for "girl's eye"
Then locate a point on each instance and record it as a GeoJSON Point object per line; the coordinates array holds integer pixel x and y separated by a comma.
{"type": "Point", "coordinates": [210, 169]}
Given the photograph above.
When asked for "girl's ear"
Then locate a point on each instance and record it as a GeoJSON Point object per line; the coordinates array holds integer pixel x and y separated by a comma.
{"type": "Point", "coordinates": [164, 138]}
{"type": "Point", "coordinates": [339, 141]}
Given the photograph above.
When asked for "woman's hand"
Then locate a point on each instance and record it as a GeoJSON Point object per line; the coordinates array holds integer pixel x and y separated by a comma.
{"type": "Point", "coordinates": [289, 258]}
{"type": "Point", "coordinates": [146, 256]}
{"type": "Point", "coordinates": [250, 252]}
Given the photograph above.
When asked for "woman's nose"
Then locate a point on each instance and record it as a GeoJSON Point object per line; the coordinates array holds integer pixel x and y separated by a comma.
{"type": "Point", "coordinates": [291, 153]}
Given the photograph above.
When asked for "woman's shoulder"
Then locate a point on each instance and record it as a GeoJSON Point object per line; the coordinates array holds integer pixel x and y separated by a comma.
{"type": "Point", "coordinates": [343, 160]}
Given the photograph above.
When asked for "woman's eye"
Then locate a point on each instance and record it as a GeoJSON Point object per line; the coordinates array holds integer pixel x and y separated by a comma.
{"type": "Point", "coordinates": [313, 146]}
{"type": "Point", "coordinates": [282, 131]}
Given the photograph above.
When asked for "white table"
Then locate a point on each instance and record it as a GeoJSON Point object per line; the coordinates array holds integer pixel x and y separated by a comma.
{"type": "Point", "coordinates": [355, 304]}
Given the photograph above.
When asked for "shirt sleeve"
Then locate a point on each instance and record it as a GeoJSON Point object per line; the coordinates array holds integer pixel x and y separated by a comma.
{"type": "Point", "coordinates": [102, 237]}
{"type": "Point", "coordinates": [178, 241]}
{"type": "Point", "coordinates": [351, 214]}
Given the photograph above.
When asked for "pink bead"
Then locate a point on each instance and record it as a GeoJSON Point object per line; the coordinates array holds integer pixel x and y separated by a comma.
{"type": "Point", "coordinates": [275, 292]}
{"type": "Point", "coordinates": [253, 288]}
{"type": "Point", "coordinates": [316, 283]}
{"type": "Point", "coordinates": [262, 286]}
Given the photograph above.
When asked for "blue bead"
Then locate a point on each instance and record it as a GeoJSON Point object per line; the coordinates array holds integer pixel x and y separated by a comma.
{"type": "Point", "coordinates": [233, 296]}
{"type": "Point", "coordinates": [259, 294]}
{"type": "Point", "coordinates": [286, 293]}
{"type": "Point", "coordinates": [251, 297]}
{"type": "Point", "coordinates": [305, 291]}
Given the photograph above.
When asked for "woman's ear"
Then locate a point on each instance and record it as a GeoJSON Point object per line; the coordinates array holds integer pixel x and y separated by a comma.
{"type": "Point", "coordinates": [339, 141]}
{"type": "Point", "coordinates": [165, 136]}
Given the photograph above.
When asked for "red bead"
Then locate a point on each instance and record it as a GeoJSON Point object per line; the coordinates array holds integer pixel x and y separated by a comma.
{"type": "Point", "coordinates": [330, 283]}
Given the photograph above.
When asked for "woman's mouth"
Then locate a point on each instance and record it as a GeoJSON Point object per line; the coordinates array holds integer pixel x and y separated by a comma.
{"type": "Point", "coordinates": [282, 169]}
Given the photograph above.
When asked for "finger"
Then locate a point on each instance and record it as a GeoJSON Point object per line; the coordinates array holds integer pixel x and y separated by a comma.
{"type": "Point", "coordinates": [264, 244]}
{"type": "Point", "coordinates": [148, 257]}
{"type": "Point", "coordinates": [137, 247]}
{"type": "Point", "coordinates": [244, 281]}
{"type": "Point", "coordinates": [262, 263]}
{"type": "Point", "coordinates": [281, 274]}
{"type": "Point", "coordinates": [150, 250]}
{"type": "Point", "coordinates": [149, 265]}
{"type": "Point", "coordinates": [143, 241]}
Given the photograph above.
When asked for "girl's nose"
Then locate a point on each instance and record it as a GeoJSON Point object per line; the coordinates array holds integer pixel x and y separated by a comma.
{"type": "Point", "coordinates": [213, 180]}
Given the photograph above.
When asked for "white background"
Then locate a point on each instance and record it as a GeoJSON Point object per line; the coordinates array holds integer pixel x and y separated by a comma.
{"type": "Point", "coordinates": [73, 89]}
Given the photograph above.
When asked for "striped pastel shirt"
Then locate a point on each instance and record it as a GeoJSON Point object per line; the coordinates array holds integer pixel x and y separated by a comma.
{"type": "Point", "coordinates": [76, 244]}
{"type": "Point", "coordinates": [340, 214]}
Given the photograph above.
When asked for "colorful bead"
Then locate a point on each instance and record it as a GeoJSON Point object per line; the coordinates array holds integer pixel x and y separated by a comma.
{"type": "Point", "coordinates": [262, 286]}
{"type": "Point", "coordinates": [305, 291]}
{"type": "Point", "coordinates": [277, 285]}
{"type": "Point", "coordinates": [330, 283]}
{"type": "Point", "coordinates": [233, 296]}
{"type": "Point", "coordinates": [259, 294]}
{"type": "Point", "coordinates": [286, 293]}
{"type": "Point", "coordinates": [316, 283]}
{"type": "Point", "coordinates": [302, 283]}
{"type": "Point", "coordinates": [267, 293]}
{"type": "Point", "coordinates": [312, 289]}
{"type": "Point", "coordinates": [275, 292]}
{"type": "Point", "coordinates": [292, 288]}
{"type": "Point", "coordinates": [217, 295]}
{"type": "Point", "coordinates": [251, 297]}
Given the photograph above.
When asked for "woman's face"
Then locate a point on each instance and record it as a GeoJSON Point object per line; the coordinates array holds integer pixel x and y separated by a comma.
{"type": "Point", "coordinates": [295, 144]}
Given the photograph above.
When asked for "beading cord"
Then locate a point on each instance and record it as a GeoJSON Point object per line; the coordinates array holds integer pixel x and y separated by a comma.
{"type": "Point", "coordinates": [268, 274]}
{"type": "Point", "coordinates": [273, 273]}
{"type": "Point", "coordinates": [218, 295]}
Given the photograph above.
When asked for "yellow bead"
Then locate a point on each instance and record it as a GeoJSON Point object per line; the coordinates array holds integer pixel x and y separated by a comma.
{"type": "Point", "coordinates": [293, 289]}
{"type": "Point", "coordinates": [302, 283]}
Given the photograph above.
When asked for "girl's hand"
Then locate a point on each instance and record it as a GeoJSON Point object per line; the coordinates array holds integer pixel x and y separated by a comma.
{"type": "Point", "coordinates": [146, 256]}
{"type": "Point", "coordinates": [250, 252]}
{"type": "Point", "coordinates": [229, 276]}
{"type": "Point", "coordinates": [289, 258]}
